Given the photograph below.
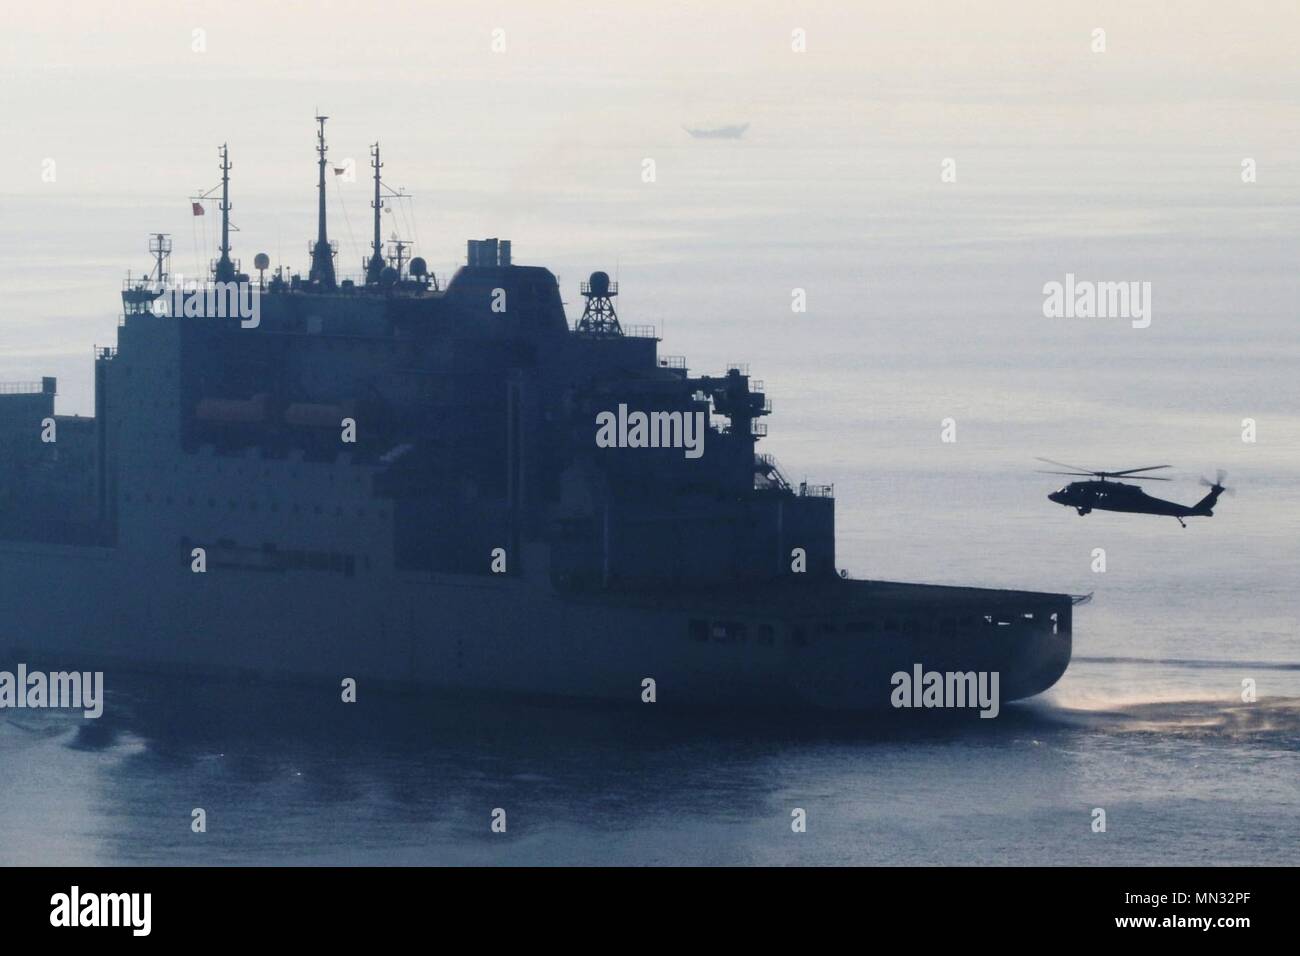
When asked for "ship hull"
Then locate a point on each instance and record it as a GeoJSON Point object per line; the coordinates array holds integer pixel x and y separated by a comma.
{"type": "Point", "coordinates": [831, 646]}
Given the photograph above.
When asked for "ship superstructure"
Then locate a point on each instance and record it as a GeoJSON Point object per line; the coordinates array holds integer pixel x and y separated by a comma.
{"type": "Point", "coordinates": [394, 478]}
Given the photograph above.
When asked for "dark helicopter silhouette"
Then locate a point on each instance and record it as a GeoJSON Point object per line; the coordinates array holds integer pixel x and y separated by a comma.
{"type": "Point", "coordinates": [1084, 496]}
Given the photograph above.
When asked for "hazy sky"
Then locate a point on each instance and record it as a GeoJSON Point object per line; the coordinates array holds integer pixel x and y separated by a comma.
{"type": "Point", "coordinates": [117, 95]}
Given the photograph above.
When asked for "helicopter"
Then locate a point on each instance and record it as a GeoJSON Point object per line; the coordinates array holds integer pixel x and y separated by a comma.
{"type": "Point", "coordinates": [1084, 496]}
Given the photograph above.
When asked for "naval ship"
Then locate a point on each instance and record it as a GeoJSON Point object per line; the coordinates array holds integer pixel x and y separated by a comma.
{"type": "Point", "coordinates": [403, 481]}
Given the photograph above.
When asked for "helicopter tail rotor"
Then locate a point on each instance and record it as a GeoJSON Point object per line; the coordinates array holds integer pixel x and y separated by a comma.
{"type": "Point", "coordinates": [1206, 505]}
{"type": "Point", "coordinates": [1217, 484]}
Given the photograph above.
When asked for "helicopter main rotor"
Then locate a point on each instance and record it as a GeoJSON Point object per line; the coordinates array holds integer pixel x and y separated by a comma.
{"type": "Point", "coordinates": [1130, 473]}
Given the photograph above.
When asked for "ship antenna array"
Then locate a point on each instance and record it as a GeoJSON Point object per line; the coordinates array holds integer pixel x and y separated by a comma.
{"type": "Point", "coordinates": [374, 266]}
{"type": "Point", "coordinates": [398, 248]}
{"type": "Point", "coordinates": [224, 268]}
{"type": "Point", "coordinates": [160, 247]}
{"type": "Point", "coordinates": [322, 273]}
{"type": "Point", "coordinates": [225, 271]}
{"type": "Point", "coordinates": [322, 254]}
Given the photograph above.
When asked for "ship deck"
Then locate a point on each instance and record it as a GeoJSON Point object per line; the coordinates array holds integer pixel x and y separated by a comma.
{"type": "Point", "coordinates": [836, 597]}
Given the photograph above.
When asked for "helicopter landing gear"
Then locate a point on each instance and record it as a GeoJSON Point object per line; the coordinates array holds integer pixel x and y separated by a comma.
{"type": "Point", "coordinates": [1181, 521]}
{"type": "Point", "coordinates": [1083, 511]}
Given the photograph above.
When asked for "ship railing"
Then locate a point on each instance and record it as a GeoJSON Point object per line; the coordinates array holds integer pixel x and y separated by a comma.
{"type": "Point", "coordinates": [21, 388]}
{"type": "Point", "coordinates": [356, 281]}
{"type": "Point", "coordinates": [623, 331]}
{"type": "Point", "coordinates": [816, 491]}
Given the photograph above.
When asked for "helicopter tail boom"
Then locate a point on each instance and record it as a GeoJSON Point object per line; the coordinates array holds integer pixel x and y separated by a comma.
{"type": "Point", "coordinates": [1206, 505]}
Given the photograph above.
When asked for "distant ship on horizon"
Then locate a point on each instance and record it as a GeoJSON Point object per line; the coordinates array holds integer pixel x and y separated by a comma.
{"type": "Point", "coordinates": [718, 132]}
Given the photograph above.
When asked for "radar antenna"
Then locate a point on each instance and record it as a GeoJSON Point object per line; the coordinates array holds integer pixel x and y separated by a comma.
{"type": "Point", "coordinates": [598, 315]}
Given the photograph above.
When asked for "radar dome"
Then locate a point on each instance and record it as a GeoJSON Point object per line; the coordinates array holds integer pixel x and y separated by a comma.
{"type": "Point", "coordinates": [419, 267]}
{"type": "Point", "coordinates": [261, 261]}
{"type": "Point", "coordinates": [599, 283]}
{"type": "Point", "coordinates": [388, 276]}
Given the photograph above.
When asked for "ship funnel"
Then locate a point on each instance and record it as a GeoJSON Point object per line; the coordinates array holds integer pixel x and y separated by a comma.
{"type": "Point", "coordinates": [488, 253]}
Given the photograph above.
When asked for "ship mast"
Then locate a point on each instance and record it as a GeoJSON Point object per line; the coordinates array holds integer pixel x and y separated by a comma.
{"type": "Point", "coordinates": [322, 257]}
{"type": "Point", "coordinates": [399, 247]}
{"type": "Point", "coordinates": [160, 247]}
{"type": "Point", "coordinates": [225, 269]}
{"type": "Point", "coordinates": [376, 264]}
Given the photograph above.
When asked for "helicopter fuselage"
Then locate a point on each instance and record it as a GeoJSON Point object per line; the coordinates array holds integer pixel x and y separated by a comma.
{"type": "Point", "coordinates": [1101, 495]}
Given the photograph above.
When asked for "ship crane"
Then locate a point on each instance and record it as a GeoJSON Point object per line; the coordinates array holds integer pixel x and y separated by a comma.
{"type": "Point", "coordinates": [737, 397]}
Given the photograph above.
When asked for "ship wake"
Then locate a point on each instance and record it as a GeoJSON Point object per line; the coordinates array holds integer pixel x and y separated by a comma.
{"type": "Point", "coordinates": [1271, 721]}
